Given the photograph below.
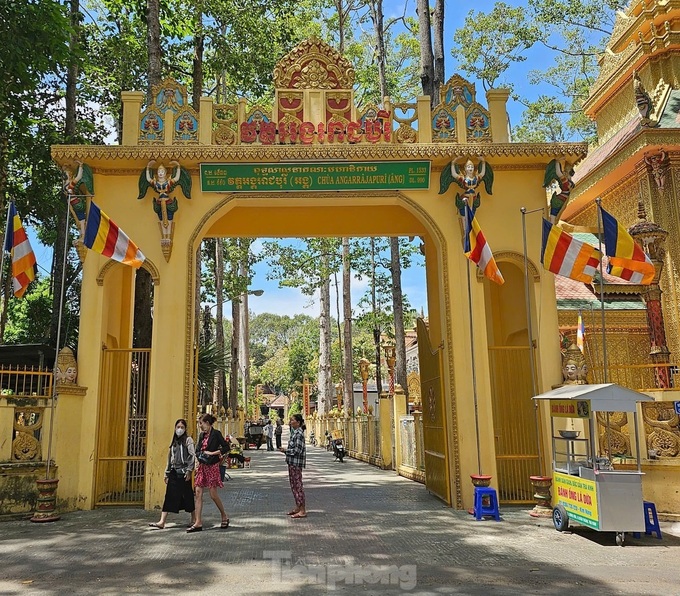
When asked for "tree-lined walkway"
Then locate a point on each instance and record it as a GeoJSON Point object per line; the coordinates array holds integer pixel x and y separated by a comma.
{"type": "Point", "coordinates": [364, 526]}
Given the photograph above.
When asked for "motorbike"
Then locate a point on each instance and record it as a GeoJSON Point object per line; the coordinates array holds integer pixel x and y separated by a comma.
{"type": "Point", "coordinates": [339, 450]}
{"type": "Point", "coordinates": [329, 441]}
{"type": "Point", "coordinates": [312, 438]}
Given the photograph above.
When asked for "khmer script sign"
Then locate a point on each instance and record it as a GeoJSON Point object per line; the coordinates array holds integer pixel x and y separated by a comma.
{"type": "Point", "coordinates": [274, 177]}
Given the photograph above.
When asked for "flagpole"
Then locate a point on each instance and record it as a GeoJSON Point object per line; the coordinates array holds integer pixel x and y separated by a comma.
{"type": "Point", "coordinates": [532, 364]}
{"type": "Point", "coordinates": [56, 355]}
{"type": "Point", "coordinates": [466, 231]}
{"type": "Point", "coordinates": [605, 362]}
{"type": "Point", "coordinates": [474, 371]}
{"type": "Point", "coordinates": [4, 244]}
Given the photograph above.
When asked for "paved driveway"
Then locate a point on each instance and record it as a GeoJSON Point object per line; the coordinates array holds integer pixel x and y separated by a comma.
{"type": "Point", "coordinates": [368, 532]}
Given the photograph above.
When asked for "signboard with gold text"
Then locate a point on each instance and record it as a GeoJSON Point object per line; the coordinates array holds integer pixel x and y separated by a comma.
{"type": "Point", "coordinates": [579, 498]}
{"type": "Point", "coordinates": [276, 177]}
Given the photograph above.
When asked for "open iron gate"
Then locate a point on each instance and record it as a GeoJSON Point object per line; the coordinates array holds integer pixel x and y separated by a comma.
{"type": "Point", "coordinates": [120, 457]}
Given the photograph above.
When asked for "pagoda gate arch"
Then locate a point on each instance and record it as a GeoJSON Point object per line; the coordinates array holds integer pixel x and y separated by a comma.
{"type": "Point", "coordinates": [358, 214]}
{"type": "Point", "coordinates": [313, 163]}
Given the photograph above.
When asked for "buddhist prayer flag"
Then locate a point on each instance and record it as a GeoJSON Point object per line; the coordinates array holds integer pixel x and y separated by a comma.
{"type": "Point", "coordinates": [580, 332]}
{"type": "Point", "coordinates": [24, 266]}
{"type": "Point", "coordinates": [627, 260]}
{"type": "Point", "coordinates": [477, 250]}
{"type": "Point", "coordinates": [105, 237]}
{"type": "Point", "coordinates": [564, 255]}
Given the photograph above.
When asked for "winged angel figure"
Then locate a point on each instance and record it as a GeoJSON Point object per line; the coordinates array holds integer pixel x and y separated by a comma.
{"type": "Point", "coordinates": [558, 176]}
{"type": "Point", "coordinates": [469, 180]}
{"type": "Point", "coordinates": [78, 185]}
{"type": "Point", "coordinates": [164, 205]}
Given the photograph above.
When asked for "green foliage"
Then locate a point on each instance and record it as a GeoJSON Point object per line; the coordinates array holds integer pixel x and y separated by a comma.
{"type": "Point", "coordinates": [488, 44]}
{"type": "Point", "coordinates": [295, 408]}
{"type": "Point", "coordinates": [29, 317]}
{"type": "Point", "coordinates": [573, 32]}
{"type": "Point", "coordinates": [210, 360]}
{"type": "Point", "coordinates": [35, 36]}
{"type": "Point", "coordinates": [283, 349]}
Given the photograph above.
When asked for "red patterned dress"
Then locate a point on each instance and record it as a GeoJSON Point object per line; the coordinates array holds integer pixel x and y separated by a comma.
{"type": "Point", "coordinates": [208, 476]}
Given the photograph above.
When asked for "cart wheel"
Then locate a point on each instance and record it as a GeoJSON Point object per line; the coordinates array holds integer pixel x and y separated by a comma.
{"type": "Point", "coordinates": [620, 538]}
{"type": "Point", "coordinates": [560, 518]}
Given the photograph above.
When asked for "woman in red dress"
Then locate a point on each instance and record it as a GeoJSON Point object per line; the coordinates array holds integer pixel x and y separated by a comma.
{"type": "Point", "coordinates": [210, 443]}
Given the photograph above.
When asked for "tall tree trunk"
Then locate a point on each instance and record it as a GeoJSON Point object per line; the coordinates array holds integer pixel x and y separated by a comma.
{"type": "Point", "coordinates": [398, 309]}
{"type": "Point", "coordinates": [244, 333]}
{"type": "Point", "coordinates": [325, 377]}
{"type": "Point", "coordinates": [233, 369]}
{"type": "Point", "coordinates": [218, 390]}
{"type": "Point", "coordinates": [197, 74]}
{"type": "Point", "coordinates": [153, 42]}
{"type": "Point", "coordinates": [70, 121]}
{"type": "Point", "coordinates": [426, 56]}
{"type": "Point", "coordinates": [438, 26]}
{"type": "Point", "coordinates": [3, 209]}
{"type": "Point", "coordinates": [348, 384]}
{"type": "Point", "coordinates": [376, 328]}
{"type": "Point", "coordinates": [376, 8]}
{"type": "Point", "coordinates": [338, 320]}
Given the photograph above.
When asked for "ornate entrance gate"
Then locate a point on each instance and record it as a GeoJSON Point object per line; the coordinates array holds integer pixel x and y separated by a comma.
{"type": "Point", "coordinates": [434, 417]}
{"type": "Point", "coordinates": [122, 421]}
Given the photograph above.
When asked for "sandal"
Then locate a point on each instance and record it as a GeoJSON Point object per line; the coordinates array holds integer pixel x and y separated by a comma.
{"type": "Point", "coordinates": [194, 529]}
{"type": "Point", "coordinates": [293, 512]}
{"type": "Point", "coordinates": [298, 515]}
{"type": "Point", "coordinates": [224, 524]}
{"type": "Point", "coordinates": [157, 526]}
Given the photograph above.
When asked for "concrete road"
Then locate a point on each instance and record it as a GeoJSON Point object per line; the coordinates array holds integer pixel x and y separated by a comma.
{"type": "Point", "coordinates": [368, 532]}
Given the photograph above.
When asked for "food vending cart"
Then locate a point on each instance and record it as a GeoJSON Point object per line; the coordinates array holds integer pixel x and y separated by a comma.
{"type": "Point", "coordinates": [586, 487]}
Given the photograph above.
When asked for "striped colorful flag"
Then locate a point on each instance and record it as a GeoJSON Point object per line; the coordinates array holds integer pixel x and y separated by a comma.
{"type": "Point", "coordinates": [562, 254]}
{"type": "Point", "coordinates": [24, 266]}
{"type": "Point", "coordinates": [627, 260]}
{"type": "Point", "coordinates": [580, 332]}
{"type": "Point", "coordinates": [105, 237]}
{"type": "Point", "coordinates": [477, 250]}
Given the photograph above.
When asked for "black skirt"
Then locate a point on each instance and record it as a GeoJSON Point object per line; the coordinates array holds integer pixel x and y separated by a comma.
{"type": "Point", "coordinates": [179, 494]}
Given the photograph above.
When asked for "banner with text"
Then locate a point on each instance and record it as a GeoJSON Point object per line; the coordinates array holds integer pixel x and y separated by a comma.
{"type": "Point", "coordinates": [276, 177]}
{"type": "Point", "coordinates": [579, 498]}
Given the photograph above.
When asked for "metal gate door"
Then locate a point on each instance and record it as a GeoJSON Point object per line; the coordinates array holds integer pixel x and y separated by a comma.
{"type": "Point", "coordinates": [514, 423]}
{"type": "Point", "coordinates": [121, 427]}
{"type": "Point", "coordinates": [437, 478]}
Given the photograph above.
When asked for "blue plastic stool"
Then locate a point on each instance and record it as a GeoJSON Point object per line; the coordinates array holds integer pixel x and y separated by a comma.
{"type": "Point", "coordinates": [491, 509]}
{"type": "Point", "coordinates": [651, 521]}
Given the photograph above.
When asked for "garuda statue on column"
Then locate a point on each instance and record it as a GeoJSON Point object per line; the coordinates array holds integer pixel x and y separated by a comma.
{"type": "Point", "coordinates": [165, 205]}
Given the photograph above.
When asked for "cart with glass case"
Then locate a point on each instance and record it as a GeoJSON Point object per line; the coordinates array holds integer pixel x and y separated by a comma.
{"type": "Point", "coordinates": [586, 487]}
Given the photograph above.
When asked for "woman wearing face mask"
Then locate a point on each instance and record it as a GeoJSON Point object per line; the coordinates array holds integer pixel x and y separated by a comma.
{"type": "Point", "coordinates": [181, 457]}
{"type": "Point", "coordinates": [212, 445]}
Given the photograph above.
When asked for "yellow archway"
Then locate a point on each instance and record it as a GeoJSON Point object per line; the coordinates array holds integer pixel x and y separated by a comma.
{"type": "Point", "coordinates": [278, 171]}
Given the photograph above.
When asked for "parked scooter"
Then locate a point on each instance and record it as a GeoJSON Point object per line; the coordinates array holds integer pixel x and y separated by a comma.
{"type": "Point", "coordinates": [338, 449]}
{"type": "Point", "coordinates": [312, 438]}
{"type": "Point", "coordinates": [329, 441]}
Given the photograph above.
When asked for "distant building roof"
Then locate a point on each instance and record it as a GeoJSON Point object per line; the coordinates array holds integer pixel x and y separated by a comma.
{"type": "Point", "coordinates": [36, 355]}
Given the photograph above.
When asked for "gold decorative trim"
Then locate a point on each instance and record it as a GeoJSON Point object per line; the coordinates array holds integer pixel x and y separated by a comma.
{"type": "Point", "coordinates": [447, 332]}
{"type": "Point", "coordinates": [147, 264]}
{"type": "Point", "coordinates": [311, 58]}
{"type": "Point", "coordinates": [645, 140]}
{"type": "Point", "coordinates": [192, 155]}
